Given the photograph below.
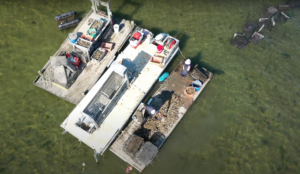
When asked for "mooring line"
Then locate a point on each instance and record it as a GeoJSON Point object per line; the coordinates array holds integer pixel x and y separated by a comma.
{"type": "Point", "coordinates": [76, 148]}
{"type": "Point", "coordinates": [181, 53]}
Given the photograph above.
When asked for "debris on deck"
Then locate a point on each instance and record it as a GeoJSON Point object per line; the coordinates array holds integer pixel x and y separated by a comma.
{"type": "Point", "coordinates": [169, 110]}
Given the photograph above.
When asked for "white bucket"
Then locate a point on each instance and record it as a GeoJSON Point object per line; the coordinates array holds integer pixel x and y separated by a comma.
{"type": "Point", "coordinates": [116, 28]}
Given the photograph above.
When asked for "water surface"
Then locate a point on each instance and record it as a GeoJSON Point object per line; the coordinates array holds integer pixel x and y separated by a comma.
{"type": "Point", "coordinates": [245, 121]}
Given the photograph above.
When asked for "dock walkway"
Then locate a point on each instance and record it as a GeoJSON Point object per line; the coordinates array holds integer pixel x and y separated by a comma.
{"type": "Point", "coordinates": [93, 70]}
{"type": "Point", "coordinates": [172, 94]}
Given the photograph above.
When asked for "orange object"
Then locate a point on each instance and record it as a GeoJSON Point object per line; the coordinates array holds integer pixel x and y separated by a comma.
{"type": "Point", "coordinates": [87, 37]}
{"type": "Point", "coordinates": [137, 35]}
{"type": "Point", "coordinates": [190, 91]}
{"type": "Point", "coordinates": [156, 59]}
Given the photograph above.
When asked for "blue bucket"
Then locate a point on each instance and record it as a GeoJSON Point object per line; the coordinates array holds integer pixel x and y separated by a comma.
{"type": "Point", "coordinates": [72, 37]}
{"type": "Point", "coordinates": [197, 85]}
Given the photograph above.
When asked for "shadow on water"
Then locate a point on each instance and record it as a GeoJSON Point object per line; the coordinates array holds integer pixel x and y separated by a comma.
{"type": "Point", "coordinates": [182, 37]}
{"type": "Point", "coordinates": [156, 31]}
{"type": "Point", "coordinates": [127, 16]}
{"type": "Point", "coordinates": [197, 60]}
{"type": "Point", "coordinates": [80, 14]}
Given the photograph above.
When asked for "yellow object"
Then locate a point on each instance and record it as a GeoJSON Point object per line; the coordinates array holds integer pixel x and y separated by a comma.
{"type": "Point", "coordinates": [59, 86]}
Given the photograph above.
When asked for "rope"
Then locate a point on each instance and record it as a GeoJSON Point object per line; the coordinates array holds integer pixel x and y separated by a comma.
{"type": "Point", "coordinates": [182, 54]}
{"type": "Point", "coordinates": [76, 148]}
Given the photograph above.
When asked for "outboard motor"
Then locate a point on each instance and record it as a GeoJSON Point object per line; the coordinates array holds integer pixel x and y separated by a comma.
{"type": "Point", "coordinates": [65, 15]}
{"type": "Point", "coordinates": [69, 24]}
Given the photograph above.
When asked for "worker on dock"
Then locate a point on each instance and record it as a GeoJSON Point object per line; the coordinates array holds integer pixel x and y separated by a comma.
{"type": "Point", "coordinates": [186, 67]}
{"type": "Point", "coordinates": [152, 111]}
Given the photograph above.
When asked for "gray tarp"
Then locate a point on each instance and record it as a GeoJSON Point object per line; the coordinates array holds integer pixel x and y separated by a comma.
{"type": "Point", "coordinates": [60, 75]}
{"type": "Point", "coordinates": [57, 61]}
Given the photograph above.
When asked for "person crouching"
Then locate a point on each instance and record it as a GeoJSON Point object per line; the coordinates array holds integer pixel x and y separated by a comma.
{"type": "Point", "coordinates": [186, 68]}
{"type": "Point", "coordinates": [152, 112]}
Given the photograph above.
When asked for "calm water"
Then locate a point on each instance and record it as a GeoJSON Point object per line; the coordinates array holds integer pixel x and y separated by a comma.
{"type": "Point", "coordinates": [247, 120]}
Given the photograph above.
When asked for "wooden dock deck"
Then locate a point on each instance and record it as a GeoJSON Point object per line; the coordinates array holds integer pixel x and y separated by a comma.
{"type": "Point", "coordinates": [172, 102]}
{"type": "Point", "coordinates": [90, 71]}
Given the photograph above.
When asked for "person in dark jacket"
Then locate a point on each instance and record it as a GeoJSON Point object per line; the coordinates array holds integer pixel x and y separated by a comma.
{"type": "Point", "coordinates": [152, 111]}
{"type": "Point", "coordinates": [186, 67]}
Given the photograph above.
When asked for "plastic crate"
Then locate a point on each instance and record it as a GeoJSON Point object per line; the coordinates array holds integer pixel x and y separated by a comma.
{"type": "Point", "coordinates": [100, 28]}
{"type": "Point", "coordinates": [101, 57]}
{"type": "Point", "coordinates": [82, 47]}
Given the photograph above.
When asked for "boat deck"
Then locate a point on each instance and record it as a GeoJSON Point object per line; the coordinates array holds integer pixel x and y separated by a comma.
{"type": "Point", "coordinates": [173, 103]}
{"type": "Point", "coordinates": [147, 74]}
{"type": "Point", "coordinates": [89, 71]}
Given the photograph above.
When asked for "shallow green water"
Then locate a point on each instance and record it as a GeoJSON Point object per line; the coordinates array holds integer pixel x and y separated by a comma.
{"type": "Point", "coordinates": [247, 120]}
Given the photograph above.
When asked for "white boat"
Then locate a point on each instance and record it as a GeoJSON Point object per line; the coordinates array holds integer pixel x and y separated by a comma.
{"type": "Point", "coordinates": [101, 115]}
{"type": "Point", "coordinates": [136, 39]}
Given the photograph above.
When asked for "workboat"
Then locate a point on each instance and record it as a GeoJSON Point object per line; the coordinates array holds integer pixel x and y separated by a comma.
{"type": "Point", "coordinates": [101, 115]}
{"type": "Point", "coordinates": [136, 39]}
{"type": "Point", "coordinates": [142, 138]}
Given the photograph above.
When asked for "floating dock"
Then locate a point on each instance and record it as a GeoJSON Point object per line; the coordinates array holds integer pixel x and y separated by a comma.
{"type": "Point", "coordinates": [108, 93]}
{"type": "Point", "coordinates": [89, 71]}
{"type": "Point", "coordinates": [138, 144]}
{"type": "Point", "coordinates": [107, 107]}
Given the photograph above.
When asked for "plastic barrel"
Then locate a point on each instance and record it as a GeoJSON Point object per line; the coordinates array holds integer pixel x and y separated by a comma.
{"type": "Point", "coordinates": [72, 37]}
{"type": "Point", "coordinates": [92, 32]}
